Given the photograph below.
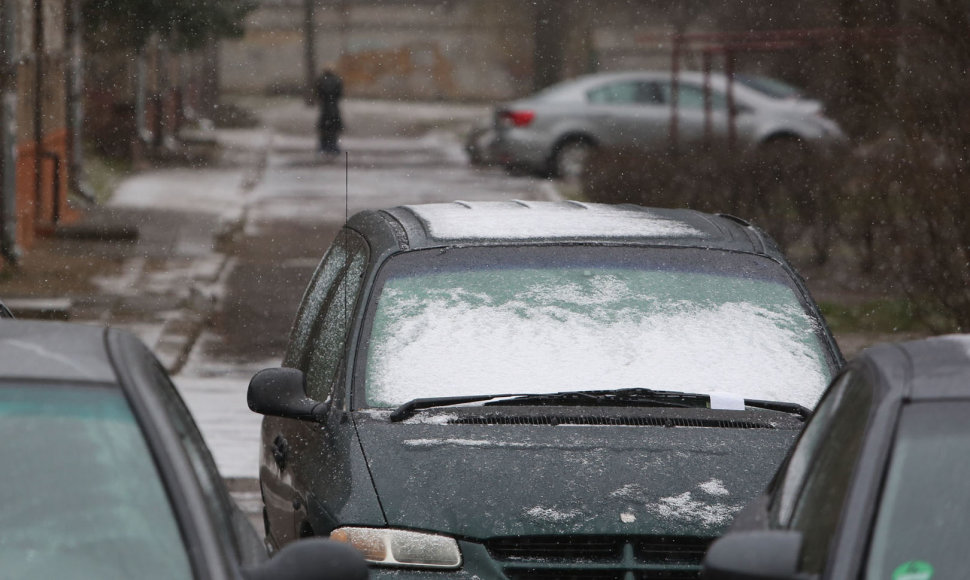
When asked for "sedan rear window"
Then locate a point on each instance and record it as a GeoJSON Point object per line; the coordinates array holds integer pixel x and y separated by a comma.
{"type": "Point", "coordinates": [550, 319]}
{"type": "Point", "coordinates": [81, 497]}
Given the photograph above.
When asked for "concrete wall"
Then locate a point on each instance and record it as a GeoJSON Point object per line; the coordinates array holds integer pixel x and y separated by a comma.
{"type": "Point", "coordinates": [447, 49]}
{"type": "Point", "coordinates": [497, 49]}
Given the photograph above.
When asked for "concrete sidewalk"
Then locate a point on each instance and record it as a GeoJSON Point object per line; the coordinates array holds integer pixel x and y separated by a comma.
{"type": "Point", "coordinates": [149, 260]}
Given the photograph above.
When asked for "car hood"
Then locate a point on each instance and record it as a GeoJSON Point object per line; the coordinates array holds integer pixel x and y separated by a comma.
{"type": "Point", "coordinates": [481, 481]}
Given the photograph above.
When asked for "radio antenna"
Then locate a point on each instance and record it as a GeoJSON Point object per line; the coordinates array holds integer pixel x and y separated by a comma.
{"type": "Point", "coordinates": [346, 186]}
{"type": "Point", "coordinates": [344, 229]}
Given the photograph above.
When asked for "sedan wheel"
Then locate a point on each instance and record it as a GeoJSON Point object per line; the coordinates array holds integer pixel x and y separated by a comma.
{"type": "Point", "coordinates": [571, 158]}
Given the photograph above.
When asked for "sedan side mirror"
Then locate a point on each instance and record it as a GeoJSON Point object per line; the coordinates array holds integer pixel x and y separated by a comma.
{"type": "Point", "coordinates": [281, 392]}
{"type": "Point", "coordinates": [312, 559]}
{"type": "Point", "coordinates": [756, 555]}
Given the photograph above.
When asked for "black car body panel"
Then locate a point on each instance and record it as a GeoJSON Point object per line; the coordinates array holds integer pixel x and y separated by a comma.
{"type": "Point", "coordinates": [929, 374]}
{"type": "Point", "coordinates": [489, 480]}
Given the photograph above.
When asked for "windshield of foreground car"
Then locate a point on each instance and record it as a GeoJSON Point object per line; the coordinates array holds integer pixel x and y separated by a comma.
{"type": "Point", "coordinates": [478, 321]}
{"type": "Point", "coordinates": [922, 524]}
{"type": "Point", "coordinates": [81, 497]}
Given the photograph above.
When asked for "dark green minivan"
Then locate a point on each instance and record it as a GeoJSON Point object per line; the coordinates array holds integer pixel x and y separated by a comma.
{"type": "Point", "coordinates": [537, 389]}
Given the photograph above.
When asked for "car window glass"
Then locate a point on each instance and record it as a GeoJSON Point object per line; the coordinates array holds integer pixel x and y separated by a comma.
{"type": "Point", "coordinates": [330, 336]}
{"type": "Point", "coordinates": [773, 88]}
{"type": "Point", "coordinates": [81, 496]}
{"type": "Point", "coordinates": [819, 504]}
{"type": "Point", "coordinates": [922, 522]}
{"type": "Point", "coordinates": [692, 96]}
{"type": "Point", "coordinates": [796, 469]}
{"type": "Point", "coordinates": [330, 267]}
{"type": "Point", "coordinates": [626, 92]}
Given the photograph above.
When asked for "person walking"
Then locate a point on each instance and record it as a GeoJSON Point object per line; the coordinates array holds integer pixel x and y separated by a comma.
{"type": "Point", "coordinates": [329, 89]}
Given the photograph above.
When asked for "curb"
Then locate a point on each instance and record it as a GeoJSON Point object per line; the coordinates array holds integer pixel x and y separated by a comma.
{"type": "Point", "coordinates": [181, 333]}
{"type": "Point", "coordinates": [40, 308]}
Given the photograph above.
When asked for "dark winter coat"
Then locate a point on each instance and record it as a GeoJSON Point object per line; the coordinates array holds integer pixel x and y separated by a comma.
{"type": "Point", "coordinates": [329, 90]}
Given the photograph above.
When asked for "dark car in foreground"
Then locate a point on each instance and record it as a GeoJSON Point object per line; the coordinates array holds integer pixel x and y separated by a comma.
{"type": "Point", "coordinates": [554, 130]}
{"type": "Point", "coordinates": [537, 389]}
{"type": "Point", "coordinates": [876, 486]}
{"type": "Point", "coordinates": [106, 476]}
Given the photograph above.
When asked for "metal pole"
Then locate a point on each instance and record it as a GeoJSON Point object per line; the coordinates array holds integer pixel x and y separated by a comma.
{"type": "Point", "coordinates": [708, 132]}
{"type": "Point", "coordinates": [75, 103]}
{"type": "Point", "coordinates": [309, 49]}
{"type": "Point", "coordinates": [675, 88]}
{"type": "Point", "coordinates": [732, 110]}
{"type": "Point", "coordinates": [8, 136]}
{"type": "Point", "coordinates": [38, 104]}
{"type": "Point", "coordinates": [140, 89]}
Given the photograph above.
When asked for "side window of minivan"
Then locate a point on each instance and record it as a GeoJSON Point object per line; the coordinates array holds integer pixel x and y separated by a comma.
{"type": "Point", "coordinates": [328, 339]}
{"type": "Point", "coordinates": [333, 263]}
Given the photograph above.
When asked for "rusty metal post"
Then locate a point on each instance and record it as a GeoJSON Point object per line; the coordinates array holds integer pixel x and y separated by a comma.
{"type": "Point", "coordinates": [729, 62]}
{"type": "Point", "coordinates": [58, 194]}
{"type": "Point", "coordinates": [708, 129]}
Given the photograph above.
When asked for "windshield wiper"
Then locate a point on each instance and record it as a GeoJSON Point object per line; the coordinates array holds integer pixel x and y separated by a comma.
{"type": "Point", "coordinates": [623, 397]}
{"type": "Point", "coordinates": [407, 409]}
{"type": "Point", "coordinates": [603, 398]}
{"type": "Point", "coordinates": [781, 407]}
{"type": "Point", "coordinates": [612, 398]}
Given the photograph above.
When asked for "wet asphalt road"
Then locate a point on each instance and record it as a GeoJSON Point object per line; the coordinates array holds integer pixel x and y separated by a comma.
{"type": "Point", "coordinates": [296, 201]}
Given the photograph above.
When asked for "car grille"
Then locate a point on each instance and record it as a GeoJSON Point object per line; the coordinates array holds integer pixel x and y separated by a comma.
{"type": "Point", "coordinates": [600, 557]}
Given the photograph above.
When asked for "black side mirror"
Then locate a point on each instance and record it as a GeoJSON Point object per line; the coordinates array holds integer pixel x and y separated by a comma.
{"type": "Point", "coordinates": [311, 559]}
{"type": "Point", "coordinates": [755, 555]}
{"type": "Point", "coordinates": [281, 392]}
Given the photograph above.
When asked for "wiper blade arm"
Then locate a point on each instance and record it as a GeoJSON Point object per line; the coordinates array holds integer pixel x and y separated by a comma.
{"type": "Point", "coordinates": [407, 409]}
{"type": "Point", "coordinates": [619, 397]}
{"type": "Point", "coordinates": [634, 396]}
{"type": "Point", "coordinates": [780, 406]}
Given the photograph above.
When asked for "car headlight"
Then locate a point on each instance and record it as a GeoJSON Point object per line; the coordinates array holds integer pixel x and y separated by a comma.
{"type": "Point", "coordinates": [390, 547]}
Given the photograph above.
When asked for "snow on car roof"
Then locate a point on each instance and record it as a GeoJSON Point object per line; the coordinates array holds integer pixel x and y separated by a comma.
{"type": "Point", "coordinates": [547, 220]}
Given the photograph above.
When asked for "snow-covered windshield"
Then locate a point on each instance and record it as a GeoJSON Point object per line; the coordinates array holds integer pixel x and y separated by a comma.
{"type": "Point", "coordinates": [541, 320]}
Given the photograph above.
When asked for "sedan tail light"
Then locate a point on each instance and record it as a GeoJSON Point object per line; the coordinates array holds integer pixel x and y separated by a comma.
{"type": "Point", "coordinates": [520, 118]}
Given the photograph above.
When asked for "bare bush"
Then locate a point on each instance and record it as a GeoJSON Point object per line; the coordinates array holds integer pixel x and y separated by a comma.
{"type": "Point", "coordinates": [899, 213]}
{"type": "Point", "coordinates": [786, 187]}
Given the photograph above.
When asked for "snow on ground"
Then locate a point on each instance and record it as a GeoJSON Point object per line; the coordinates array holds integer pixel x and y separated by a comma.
{"type": "Point", "coordinates": [214, 191]}
{"type": "Point", "coordinates": [215, 392]}
{"type": "Point", "coordinates": [230, 429]}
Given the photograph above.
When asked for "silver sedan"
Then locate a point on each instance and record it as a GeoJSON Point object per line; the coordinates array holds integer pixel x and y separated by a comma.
{"type": "Point", "coordinates": [553, 131]}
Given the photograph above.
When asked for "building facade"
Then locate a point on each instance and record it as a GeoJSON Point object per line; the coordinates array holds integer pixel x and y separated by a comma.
{"type": "Point", "coordinates": [39, 72]}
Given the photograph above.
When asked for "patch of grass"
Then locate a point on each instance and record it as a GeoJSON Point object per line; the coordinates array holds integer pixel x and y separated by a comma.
{"type": "Point", "coordinates": [886, 315]}
{"type": "Point", "coordinates": [103, 174]}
